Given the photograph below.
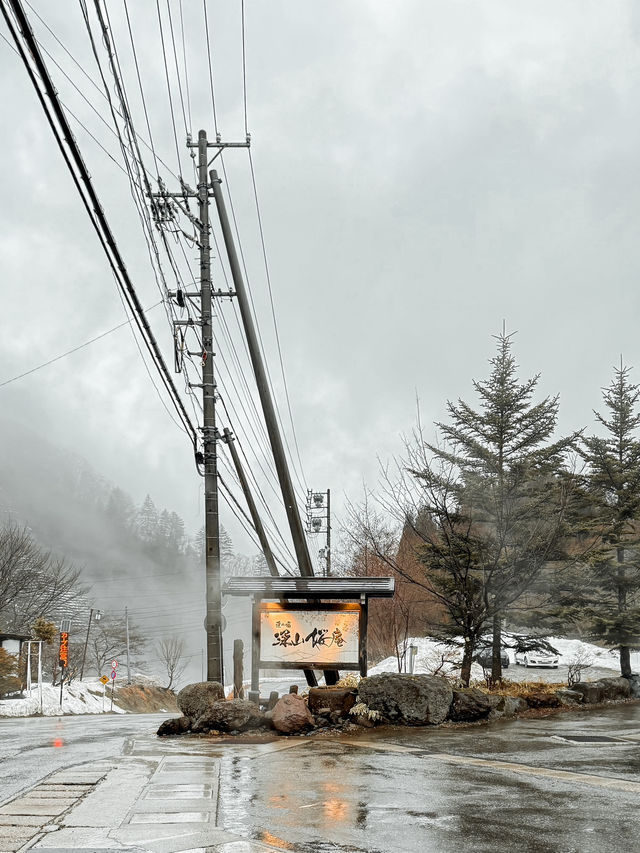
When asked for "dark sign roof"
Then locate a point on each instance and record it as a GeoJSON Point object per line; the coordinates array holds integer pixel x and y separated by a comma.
{"type": "Point", "coordinates": [14, 637]}
{"type": "Point", "coordinates": [268, 587]}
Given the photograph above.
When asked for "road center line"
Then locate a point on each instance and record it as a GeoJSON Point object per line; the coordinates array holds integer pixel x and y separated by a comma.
{"type": "Point", "coordinates": [609, 782]}
{"type": "Point", "coordinates": [546, 772]}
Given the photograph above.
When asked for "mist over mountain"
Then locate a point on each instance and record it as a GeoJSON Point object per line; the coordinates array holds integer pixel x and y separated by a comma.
{"type": "Point", "coordinates": [134, 556]}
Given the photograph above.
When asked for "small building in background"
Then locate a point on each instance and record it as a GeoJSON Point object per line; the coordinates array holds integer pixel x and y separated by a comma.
{"type": "Point", "coordinates": [12, 643]}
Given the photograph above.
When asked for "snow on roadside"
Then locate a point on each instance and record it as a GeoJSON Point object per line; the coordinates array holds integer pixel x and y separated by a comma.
{"type": "Point", "coordinates": [431, 652]}
{"type": "Point", "coordinates": [80, 697]}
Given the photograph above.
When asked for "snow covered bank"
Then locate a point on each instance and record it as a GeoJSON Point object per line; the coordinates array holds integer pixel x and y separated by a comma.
{"type": "Point", "coordinates": [80, 697]}
{"type": "Point", "coordinates": [144, 695]}
{"type": "Point", "coordinates": [435, 656]}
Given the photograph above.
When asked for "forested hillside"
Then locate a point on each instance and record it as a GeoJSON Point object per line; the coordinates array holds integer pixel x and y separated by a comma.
{"type": "Point", "coordinates": [135, 556]}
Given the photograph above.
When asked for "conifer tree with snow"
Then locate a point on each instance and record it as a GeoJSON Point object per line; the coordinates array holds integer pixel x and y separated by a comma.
{"type": "Point", "coordinates": [506, 493]}
{"type": "Point", "coordinates": [613, 485]}
{"type": "Point", "coordinates": [147, 520]}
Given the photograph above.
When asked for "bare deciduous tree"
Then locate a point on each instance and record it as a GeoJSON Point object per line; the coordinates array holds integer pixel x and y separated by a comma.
{"type": "Point", "coordinates": [33, 581]}
{"type": "Point", "coordinates": [171, 652]}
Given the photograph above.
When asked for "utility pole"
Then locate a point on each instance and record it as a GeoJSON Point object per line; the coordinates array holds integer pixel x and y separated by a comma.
{"type": "Point", "coordinates": [255, 517]}
{"type": "Point", "coordinates": [319, 521]}
{"type": "Point", "coordinates": [215, 665]}
{"type": "Point", "coordinates": [126, 627]}
{"type": "Point", "coordinates": [86, 639]}
{"type": "Point", "coordinates": [288, 495]}
{"type": "Point", "coordinates": [164, 212]}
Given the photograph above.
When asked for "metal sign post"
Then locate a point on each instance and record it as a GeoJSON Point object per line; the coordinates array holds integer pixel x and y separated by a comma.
{"type": "Point", "coordinates": [104, 681]}
{"type": "Point", "coordinates": [63, 658]}
{"type": "Point", "coordinates": [113, 680]}
{"type": "Point", "coordinates": [40, 676]}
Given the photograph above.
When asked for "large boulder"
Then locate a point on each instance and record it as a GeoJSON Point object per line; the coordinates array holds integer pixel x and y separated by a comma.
{"type": "Point", "coordinates": [194, 699]}
{"type": "Point", "coordinates": [569, 697]}
{"type": "Point", "coordinates": [174, 726]}
{"type": "Point", "coordinates": [469, 704]}
{"type": "Point", "coordinates": [615, 688]}
{"type": "Point", "coordinates": [634, 685]}
{"type": "Point", "coordinates": [324, 700]}
{"type": "Point", "coordinates": [538, 697]}
{"type": "Point", "coordinates": [235, 715]}
{"type": "Point", "coordinates": [411, 700]}
{"type": "Point", "coordinates": [509, 706]}
{"type": "Point", "coordinates": [592, 691]}
{"type": "Point", "coordinates": [291, 714]}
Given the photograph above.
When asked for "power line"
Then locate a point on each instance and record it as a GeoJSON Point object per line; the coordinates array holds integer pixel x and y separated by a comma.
{"type": "Point", "coordinates": [213, 97]}
{"type": "Point", "coordinates": [166, 72]}
{"type": "Point", "coordinates": [73, 159]}
{"type": "Point", "coordinates": [273, 314]}
{"type": "Point", "coordinates": [71, 351]}
{"type": "Point", "coordinates": [244, 71]}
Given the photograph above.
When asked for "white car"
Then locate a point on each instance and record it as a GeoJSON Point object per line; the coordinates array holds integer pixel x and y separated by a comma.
{"type": "Point", "coordinates": [537, 659]}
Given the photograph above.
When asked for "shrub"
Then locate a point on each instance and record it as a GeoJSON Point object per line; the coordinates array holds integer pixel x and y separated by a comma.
{"type": "Point", "coordinates": [9, 680]}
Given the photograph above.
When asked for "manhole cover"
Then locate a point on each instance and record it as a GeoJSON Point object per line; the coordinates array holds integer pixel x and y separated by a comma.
{"type": "Point", "coordinates": [588, 739]}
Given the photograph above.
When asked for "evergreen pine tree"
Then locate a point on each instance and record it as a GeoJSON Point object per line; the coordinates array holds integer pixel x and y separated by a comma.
{"type": "Point", "coordinates": [508, 486]}
{"type": "Point", "coordinates": [147, 520]}
{"type": "Point", "coordinates": [163, 532]}
{"type": "Point", "coordinates": [176, 532]}
{"type": "Point", "coordinates": [613, 484]}
{"type": "Point", "coordinates": [226, 552]}
{"type": "Point", "coordinates": [199, 545]}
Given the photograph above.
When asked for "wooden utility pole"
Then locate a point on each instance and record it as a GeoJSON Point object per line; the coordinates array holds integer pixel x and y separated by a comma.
{"type": "Point", "coordinates": [260, 373]}
{"type": "Point", "coordinates": [213, 623]}
{"type": "Point", "coordinates": [253, 511]}
{"type": "Point", "coordinates": [126, 627]}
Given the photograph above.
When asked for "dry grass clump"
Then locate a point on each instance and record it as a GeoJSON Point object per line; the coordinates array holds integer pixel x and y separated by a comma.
{"type": "Point", "coordinates": [352, 679]}
{"type": "Point", "coordinates": [519, 689]}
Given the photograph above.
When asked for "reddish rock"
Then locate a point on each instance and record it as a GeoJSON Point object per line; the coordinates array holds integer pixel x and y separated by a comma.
{"type": "Point", "coordinates": [291, 714]}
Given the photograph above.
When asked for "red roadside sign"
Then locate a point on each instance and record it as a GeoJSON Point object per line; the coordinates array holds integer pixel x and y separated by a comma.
{"type": "Point", "coordinates": [63, 654]}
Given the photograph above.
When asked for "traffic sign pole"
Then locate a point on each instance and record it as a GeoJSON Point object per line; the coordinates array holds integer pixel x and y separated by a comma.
{"type": "Point", "coordinates": [113, 681]}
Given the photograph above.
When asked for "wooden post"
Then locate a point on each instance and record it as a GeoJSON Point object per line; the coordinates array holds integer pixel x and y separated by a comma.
{"type": "Point", "coordinates": [273, 698]}
{"type": "Point", "coordinates": [362, 652]}
{"type": "Point", "coordinates": [254, 693]}
{"type": "Point", "coordinates": [238, 669]}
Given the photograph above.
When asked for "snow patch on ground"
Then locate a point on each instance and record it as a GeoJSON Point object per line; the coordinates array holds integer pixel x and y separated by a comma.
{"type": "Point", "coordinates": [431, 653]}
{"type": "Point", "coordinates": [80, 697]}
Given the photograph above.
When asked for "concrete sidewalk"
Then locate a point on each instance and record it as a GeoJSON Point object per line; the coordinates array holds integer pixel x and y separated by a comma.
{"type": "Point", "coordinates": [152, 799]}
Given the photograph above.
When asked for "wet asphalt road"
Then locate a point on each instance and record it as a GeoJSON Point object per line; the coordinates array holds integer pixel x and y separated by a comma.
{"type": "Point", "coordinates": [508, 786]}
{"type": "Point", "coordinates": [427, 798]}
{"type": "Point", "coordinates": [33, 747]}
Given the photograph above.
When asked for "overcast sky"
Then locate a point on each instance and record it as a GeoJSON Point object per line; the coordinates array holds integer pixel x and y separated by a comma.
{"type": "Point", "coordinates": [425, 170]}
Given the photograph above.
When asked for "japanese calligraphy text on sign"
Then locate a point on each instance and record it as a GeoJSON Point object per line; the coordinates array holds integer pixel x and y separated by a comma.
{"type": "Point", "coordinates": [294, 635]}
{"type": "Point", "coordinates": [63, 655]}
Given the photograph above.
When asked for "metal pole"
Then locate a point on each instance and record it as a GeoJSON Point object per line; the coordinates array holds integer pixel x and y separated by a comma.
{"type": "Point", "coordinates": [293, 514]}
{"type": "Point", "coordinates": [86, 643]}
{"type": "Point", "coordinates": [255, 517]}
{"type": "Point", "coordinates": [40, 676]}
{"type": "Point", "coordinates": [29, 666]}
{"type": "Point", "coordinates": [126, 625]}
{"type": "Point", "coordinates": [328, 532]}
{"type": "Point", "coordinates": [215, 667]}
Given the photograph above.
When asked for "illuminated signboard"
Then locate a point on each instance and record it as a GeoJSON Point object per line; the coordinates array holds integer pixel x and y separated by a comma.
{"type": "Point", "coordinates": [305, 635]}
{"type": "Point", "coordinates": [64, 648]}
